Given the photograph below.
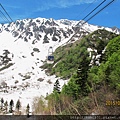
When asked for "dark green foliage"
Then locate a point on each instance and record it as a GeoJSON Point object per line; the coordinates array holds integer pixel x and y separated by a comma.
{"type": "Point", "coordinates": [18, 105]}
{"type": "Point", "coordinates": [6, 103]}
{"type": "Point", "coordinates": [97, 78]}
{"type": "Point", "coordinates": [6, 106]}
{"type": "Point", "coordinates": [71, 89]}
{"type": "Point", "coordinates": [93, 78]}
{"type": "Point", "coordinates": [109, 70]}
{"type": "Point", "coordinates": [78, 85]}
{"type": "Point", "coordinates": [2, 101]}
{"type": "Point", "coordinates": [113, 46]}
{"type": "Point", "coordinates": [56, 86]}
{"type": "Point", "coordinates": [70, 60]}
{"type": "Point", "coordinates": [11, 103]}
{"type": "Point", "coordinates": [82, 80]}
{"type": "Point", "coordinates": [11, 106]}
{"type": "Point", "coordinates": [27, 110]}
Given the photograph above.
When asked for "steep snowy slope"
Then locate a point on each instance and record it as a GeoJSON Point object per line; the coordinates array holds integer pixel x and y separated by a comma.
{"type": "Point", "coordinates": [23, 77]}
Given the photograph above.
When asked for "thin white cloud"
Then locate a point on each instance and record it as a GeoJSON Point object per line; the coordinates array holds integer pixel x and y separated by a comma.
{"type": "Point", "coordinates": [29, 7]}
{"type": "Point", "coordinates": [13, 6]}
{"type": "Point", "coordinates": [47, 4]}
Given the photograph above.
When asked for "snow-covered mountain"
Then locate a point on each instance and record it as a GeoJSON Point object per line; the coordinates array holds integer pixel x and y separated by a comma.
{"type": "Point", "coordinates": [24, 46]}
{"type": "Point", "coordinates": [47, 30]}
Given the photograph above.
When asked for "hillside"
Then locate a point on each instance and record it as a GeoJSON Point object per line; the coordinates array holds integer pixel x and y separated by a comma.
{"type": "Point", "coordinates": [24, 48]}
{"type": "Point", "coordinates": [94, 85]}
{"type": "Point", "coordinates": [68, 57]}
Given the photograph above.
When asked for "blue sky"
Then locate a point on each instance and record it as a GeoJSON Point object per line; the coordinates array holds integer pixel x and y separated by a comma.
{"type": "Point", "coordinates": [64, 9]}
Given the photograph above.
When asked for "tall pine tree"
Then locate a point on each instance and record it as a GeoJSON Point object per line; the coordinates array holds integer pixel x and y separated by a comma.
{"type": "Point", "coordinates": [11, 106]}
{"type": "Point", "coordinates": [2, 101]}
{"type": "Point", "coordinates": [18, 105]}
{"type": "Point", "coordinates": [27, 110]}
{"type": "Point", "coordinates": [56, 86]}
{"type": "Point", "coordinates": [6, 106]}
{"type": "Point", "coordinates": [82, 72]}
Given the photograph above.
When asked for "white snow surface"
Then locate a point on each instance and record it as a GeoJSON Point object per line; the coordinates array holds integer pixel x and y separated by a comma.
{"type": "Point", "coordinates": [30, 65]}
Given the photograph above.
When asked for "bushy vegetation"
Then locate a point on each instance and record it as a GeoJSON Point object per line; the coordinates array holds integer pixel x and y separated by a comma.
{"type": "Point", "coordinates": [68, 57]}
{"type": "Point", "coordinates": [109, 70]}
{"type": "Point", "coordinates": [90, 86]}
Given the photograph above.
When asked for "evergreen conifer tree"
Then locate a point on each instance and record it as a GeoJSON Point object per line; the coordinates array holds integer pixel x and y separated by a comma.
{"type": "Point", "coordinates": [11, 106]}
{"type": "Point", "coordinates": [18, 105]}
{"type": "Point", "coordinates": [28, 110]}
{"type": "Point", "coordinates": [6, 106]}
{"type": "Point", "coordinates": [57, 86]}
{"type": "Point", "coordinates": [2, 101]}
{"type": "Point", "coordinates": [82, 74]}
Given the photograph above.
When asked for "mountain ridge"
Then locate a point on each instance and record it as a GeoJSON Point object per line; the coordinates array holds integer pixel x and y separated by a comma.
{"type": "Point", "coordinates": [50, 29]}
